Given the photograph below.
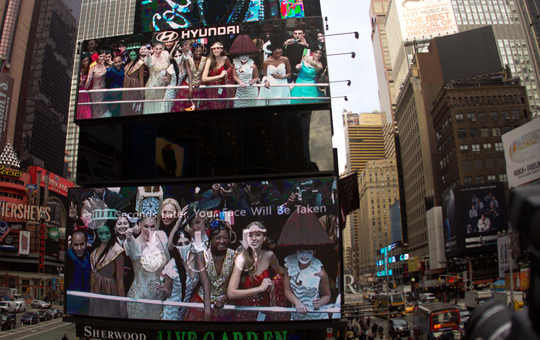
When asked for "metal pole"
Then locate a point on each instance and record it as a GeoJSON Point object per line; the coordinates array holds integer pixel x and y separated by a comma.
{"type": "Point", "coordinates": [511, 268]}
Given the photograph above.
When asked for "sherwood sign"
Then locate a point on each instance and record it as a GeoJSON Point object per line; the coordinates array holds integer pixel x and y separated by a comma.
{"type": "Point", "coordinates": [112, 334]}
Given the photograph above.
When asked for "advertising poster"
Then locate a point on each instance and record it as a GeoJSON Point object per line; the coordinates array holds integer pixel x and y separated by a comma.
{"type": "Point", "coordinates": [241, 251]}
{"type": "Point", "coordinates": [425, 19]}
{"type": "Point", "coordinates": [6, 91]}
{"type": "Point", "coordinates": [522, 154]}
{"type": "Point", "coordinates": [24, 242]}
{"type": "Point", "coordinates": [164, 15]}
{"type": "Point", "coordinates": [472, 216]}
{"type": "Point", "coordinates": [232, 66]}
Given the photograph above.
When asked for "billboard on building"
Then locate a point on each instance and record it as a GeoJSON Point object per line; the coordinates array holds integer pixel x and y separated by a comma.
{"type": "Point", "coordinates": [522, 153]}
{"type": "Point", "coordinates": [6, 91]}
{"type": "Point", "coordinates": [163, 15]}
{"type": "Point", "coordinates": [231, 66]}
{"type": "Point", "coordinates": [473, 215]}
{"type": "Point", "coordinates": [241, 251]}
{"type": "Point", "coordinates": [425, 19]}
{"type": "Point", "coordinates": [57, 184]}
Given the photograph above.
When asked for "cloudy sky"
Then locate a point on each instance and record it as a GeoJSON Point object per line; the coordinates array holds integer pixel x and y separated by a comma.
{"type": "Point", "coordinates": [350, 16]}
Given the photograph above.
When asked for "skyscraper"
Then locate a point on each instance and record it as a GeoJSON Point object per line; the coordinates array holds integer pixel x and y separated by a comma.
{"type": "Point", "coordinates": [101, 18]}
{"type": "Point", "coordinates": [37, 48]}
{"type": "Point", "coordinates": [508, 25]}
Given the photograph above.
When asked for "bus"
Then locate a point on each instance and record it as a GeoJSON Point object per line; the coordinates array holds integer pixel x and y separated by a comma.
{"type": "Point", "coordinates": [436, 320]}
{"type": "Point", "coordinates": [393, 302]}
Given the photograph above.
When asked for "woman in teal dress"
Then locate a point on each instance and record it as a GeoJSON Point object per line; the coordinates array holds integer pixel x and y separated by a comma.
{"type": "Point", "coordinates": [309, 68]}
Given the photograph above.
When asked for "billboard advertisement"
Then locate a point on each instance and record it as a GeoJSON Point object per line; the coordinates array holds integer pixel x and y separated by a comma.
{"type": "Point", "coordinates": [6, 92]}
{"type": "Point", "coordinates": [522, 154]}
{"type": "Point", "coordinates": [424, 19]}
{"type": "Point", "coordinates": [57, 184]}
{"type": "Point", "coordinates": [163, 15]}
{"type": "Point", "coordinates": [242, 251]}
{"type": "Point", "coordinates": [252, 65]}
{"type": "Point", "coordinates": [473, 215]}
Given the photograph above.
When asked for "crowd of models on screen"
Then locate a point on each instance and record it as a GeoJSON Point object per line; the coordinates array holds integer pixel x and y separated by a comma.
{"type": "Point", "coordinates": [273, 63]}
{"type": "Point", "coordinates": [186, 254]}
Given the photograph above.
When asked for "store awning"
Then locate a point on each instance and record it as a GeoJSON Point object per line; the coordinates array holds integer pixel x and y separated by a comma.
{"type": "Point", "coordinates": [482, 282]}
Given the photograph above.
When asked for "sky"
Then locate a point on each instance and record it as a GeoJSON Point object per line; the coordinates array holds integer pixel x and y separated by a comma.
{"type": "Point", "coordinates": [363, 96]}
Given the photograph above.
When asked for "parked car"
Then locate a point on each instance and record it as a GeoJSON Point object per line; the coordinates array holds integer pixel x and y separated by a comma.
{"type": "Point", "coordinates": [8, 307]}
{"type": "Point", "coordinates": [464, 316]}
{"type": "Point", "coordinates": [40, 304]}
{"type": "Point", "coordinates": [427, 297]}
{"type": "Point", "coordinates": [44, 315]}
{"type": "Point", "coordinates": [8, 321]}
{"type": "Point", "coordinates": [29, 318]}
{"type": "Point", "coordinates": [56, 313]}
{"type": "Point", "coordinates": [21, 306]}
{"type": "Point", "coordinates": [399, 327]}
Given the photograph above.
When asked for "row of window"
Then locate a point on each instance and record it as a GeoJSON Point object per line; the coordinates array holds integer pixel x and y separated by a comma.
{"type": "Point", "coordinates": [482, 179]}
{"type": "Point", "coordinates": [483, 132]}
{"type": "Point", "coordinates": [11, 180]}
{"type": "Point", "coordinates": [9, 194]}
{"type": "Point", "coordinates": [483, 117]}
{"type": "Point", "coordinates": [464, 148]}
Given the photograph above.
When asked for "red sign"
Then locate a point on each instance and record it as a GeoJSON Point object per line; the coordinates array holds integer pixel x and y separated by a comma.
{"type": "Point", "coordinates": [41, 268]}
{"type": "Point", "coordinates": [57, 184]}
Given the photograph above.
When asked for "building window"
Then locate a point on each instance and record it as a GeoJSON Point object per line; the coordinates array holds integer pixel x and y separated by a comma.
{"type": "Point", "coordinates": [464, 148]}
{"type": "Point", "coordinates": [494, 116]}
{"type": "Point", "coordinates": [505, 115]}
{"type": "Point", "coordinates": [467, 180]}
{"type": "Point", "coordinates": [503, 178]}
{"type": "Point", "coordinates": [499, 146]}
{"type": "Point", "coordinates": [462, 133]}
{"type": "Point", "coordinates": [459, 117]}
{"type": "Point", "coordinates": [515, 114]}
{"type": "Point", "coordinates": [471, 117]}
{"type": "Point", "coordinates": [491, 178]}
{"type": "Point", "coordinates": [496, 131]}
{"type": "Point", "coordinates": [506, 129]}
{"type": "Point", "coordinates": [475, 148]}
{"type": "Point", "coordinates": [480, 179]}
{"type": "Point", "coordinates": [484, 132]}
{"type": "Point", "coordinates": [473, 132]}
{"type": "Point", "coordinates": [487, 146]}
{"type": "Point", "coordinates": [482, 116]}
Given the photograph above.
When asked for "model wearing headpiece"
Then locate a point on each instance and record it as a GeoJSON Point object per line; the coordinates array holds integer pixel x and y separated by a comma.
{"type": "Point", "coordinates": [84, 111]}
{"type": "Point", "coordinates": [308, 69]}
{"type": "Point", "coordinates": [245, 72]}
{"type": "Point", "coordinates": [306, 283]}
{"type": "Point", "coordinates": [134, 77]}
{"type": "Point", "coordinates": [157, 64]}
{"type": "Point", "coordinates": [257, 278]}
{"type": "Point", "coordinates": [277, 70]}
{"type": "Point", "coordinates": [218, 71]}
{"type": "Point", "coordinates": [196, 63]}
{"type": "Point", "coordinates": [96, 81]}
{"type": "Point", "coordinates": [107, 276]}
{"type": "Point", "coordinates": [149, 254]}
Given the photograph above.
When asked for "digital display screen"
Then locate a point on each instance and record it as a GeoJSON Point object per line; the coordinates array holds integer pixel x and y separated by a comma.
{"type": "Point", "coordinates": [230, 251]}
{"type": "Point", "coordinates": [227, 67]}
{"type": "Point", "coordinates": [163, 15]}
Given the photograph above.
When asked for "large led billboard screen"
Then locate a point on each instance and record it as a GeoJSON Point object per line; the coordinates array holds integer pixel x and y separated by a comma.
{"type": "Point", "coordinates": [473, 215]}
{"type": "Point", "coordinates": [234, 251]}
{"type": "Point", "coordinates": [234, 66]}
{"type": "Point", "coordinates": [163, 15]}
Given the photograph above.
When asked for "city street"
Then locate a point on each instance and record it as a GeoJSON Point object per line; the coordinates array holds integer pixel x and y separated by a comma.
{"type": "Point", "coordinates": [45, 330]}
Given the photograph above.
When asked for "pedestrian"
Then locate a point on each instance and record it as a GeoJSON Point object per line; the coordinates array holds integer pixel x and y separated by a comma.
{"type": "Point", "coordinates": [370, 336]}
{"type": "Point", "coordinates": [374, 328]}
{"type": "Point", "coordinates": [65, 337]}
{"type": "Point", "coordinates": [381, 330]}
{"type": "Point", "coordinates": [368, 321]}
{"type": "Point", "coordinates": [362, 336]}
